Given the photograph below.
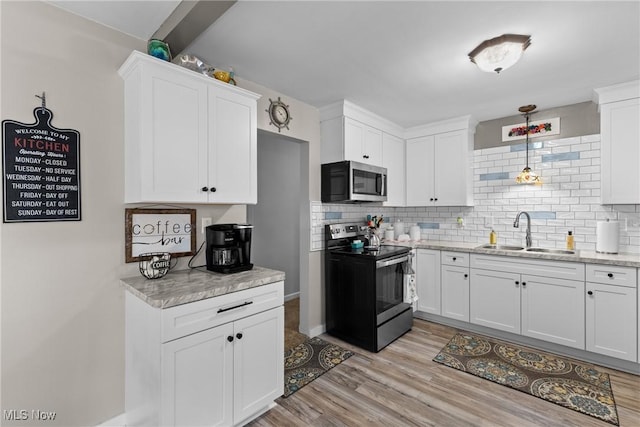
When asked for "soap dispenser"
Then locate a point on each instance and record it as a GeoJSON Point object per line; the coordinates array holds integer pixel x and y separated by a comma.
{"type": "Point", "coordinates": [570, 242]}
{"type": "Point", "coordinates": [493, 237]}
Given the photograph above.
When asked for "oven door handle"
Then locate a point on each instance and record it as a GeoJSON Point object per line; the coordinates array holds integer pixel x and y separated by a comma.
{"type": "Point", "coordinates": [393, 261]}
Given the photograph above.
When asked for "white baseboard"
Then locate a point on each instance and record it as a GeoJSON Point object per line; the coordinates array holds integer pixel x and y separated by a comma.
{"type": "Point", "coordinates": [292, 296]}
{"type": "Point", "coordinates": [318, 330]}
{"type": "Point", "coordinates": [117, 421]}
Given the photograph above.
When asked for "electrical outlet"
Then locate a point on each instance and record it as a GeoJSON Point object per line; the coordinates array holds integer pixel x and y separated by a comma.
{"type": "Point", "coordinates": [205, 223]}
{"type": "Point", "coordinates": [488, 221]}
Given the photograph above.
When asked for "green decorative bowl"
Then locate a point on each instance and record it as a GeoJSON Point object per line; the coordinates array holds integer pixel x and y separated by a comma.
{"type": "Point", "coordinates": [159, 49]}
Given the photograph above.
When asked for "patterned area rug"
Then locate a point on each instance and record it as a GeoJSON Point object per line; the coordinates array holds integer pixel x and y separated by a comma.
{"type": "Point", "coordinates": [553, 378]}
{"type": "Point", "coordinates": [309, 360]}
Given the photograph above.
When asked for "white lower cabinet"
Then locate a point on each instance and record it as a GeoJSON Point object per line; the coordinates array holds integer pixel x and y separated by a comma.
{"type": "Point", "coordinates": [611, 311]}
{"type": "Point", "coordinates": [428, 280]}
{"type": "Point", "coordinates": [221, 374]}
{"type": "Point", "coordinates": [553, 310]}
{"type": "Point", "coordinates": [455, 285]}
{"type": "Point", "coordinates": [547, 308]}
{"type": "Point", "coordinates": [455, 292]}
{"type": "Point", "coordinates": [592, 307]}
{"type": "Point", "coordinates": [495, 300]}
{"type": "Point", "coordinates": [258, 368]}
{"type": "Point", "coordinates": [197, 379]}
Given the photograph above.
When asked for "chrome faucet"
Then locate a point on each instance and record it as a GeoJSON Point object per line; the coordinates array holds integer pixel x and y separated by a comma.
{"type": "Point", "coordinates": [516, 224]}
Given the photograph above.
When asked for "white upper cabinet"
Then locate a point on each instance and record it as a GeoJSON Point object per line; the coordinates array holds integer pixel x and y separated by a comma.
{"type": "Point", "coordinates": [349, 132]}
{"type": "Point", "coordinates": [393, 158]}
{"type": "Point", "coordinates": [438, 165]}
{"type": "Point", "coordinates": [362, 143]}
{"type": "Point", "coordinates": [232, 147]}
{"type": "Point", "coordinates": [620, 142]}
{"type": "Point", "coordinates": [188, 138]}
{"type": "Point", "coordinates": [419, 172]}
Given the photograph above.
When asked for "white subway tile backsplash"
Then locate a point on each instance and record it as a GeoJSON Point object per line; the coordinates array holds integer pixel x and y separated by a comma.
{"type": "Point", "coordinates": [590, 138]}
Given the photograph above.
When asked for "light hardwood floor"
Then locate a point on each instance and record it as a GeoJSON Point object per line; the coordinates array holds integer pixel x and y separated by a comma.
{"type": "Point", "coordinates": [402, 386]}
{"type": "Point", "coordinates": [291, 321]}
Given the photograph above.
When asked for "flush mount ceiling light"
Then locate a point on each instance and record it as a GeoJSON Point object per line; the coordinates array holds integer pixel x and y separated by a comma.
{"type": "Point", "coordinates": [499, 53]}
{"type": "Point", "coordinates": [527, 176]}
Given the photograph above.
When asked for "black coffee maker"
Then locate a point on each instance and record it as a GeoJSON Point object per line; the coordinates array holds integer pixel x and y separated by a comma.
{"type": "Point", "coordinates": [228, 248]}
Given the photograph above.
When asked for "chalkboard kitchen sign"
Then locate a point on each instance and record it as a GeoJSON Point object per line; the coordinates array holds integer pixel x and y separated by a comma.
{"type": "Point", "coordinates": [41, 169]}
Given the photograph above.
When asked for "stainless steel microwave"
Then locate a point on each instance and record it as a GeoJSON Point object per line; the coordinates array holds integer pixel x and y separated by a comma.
{"type": "Point", "coordinates": [352, 182]}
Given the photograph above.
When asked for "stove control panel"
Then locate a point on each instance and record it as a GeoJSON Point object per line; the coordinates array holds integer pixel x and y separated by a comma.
{"type": "Point", "coordinates": [341, 231]}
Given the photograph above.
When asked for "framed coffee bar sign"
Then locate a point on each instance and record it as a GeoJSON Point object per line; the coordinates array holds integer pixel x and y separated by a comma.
{"type": "Point", "coordinates": [159, 230]}
{"type": "Point", "coordinates": [41, 170]}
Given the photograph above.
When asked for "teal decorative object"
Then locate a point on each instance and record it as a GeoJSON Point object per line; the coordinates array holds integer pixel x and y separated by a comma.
{"type": "Point", "coordinates": [159, 49]}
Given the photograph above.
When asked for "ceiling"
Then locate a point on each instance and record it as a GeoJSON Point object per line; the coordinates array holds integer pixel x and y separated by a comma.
{"type": "Point", "coordinates": [407, 61]}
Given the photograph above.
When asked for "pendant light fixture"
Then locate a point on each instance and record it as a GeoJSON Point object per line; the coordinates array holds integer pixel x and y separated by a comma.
{"type": "Point", "coordinates": [527, 176]}
{"type": "Point", "coordinates": [499, 53]}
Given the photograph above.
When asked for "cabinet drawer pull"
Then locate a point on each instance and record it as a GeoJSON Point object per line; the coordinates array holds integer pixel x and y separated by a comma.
{"type": "Point", "coordinates": [454, 258]}
{"type": "Point", "coordinates": [610, 275]}
{"type": "Point", "coordinates": [239, 335]}
{"type": "Point", "coordinates": [230, 338]}
{"type": "Point", "coordinates": [590, 292]}
{"type": "Point", "coordinates": [222, 310]}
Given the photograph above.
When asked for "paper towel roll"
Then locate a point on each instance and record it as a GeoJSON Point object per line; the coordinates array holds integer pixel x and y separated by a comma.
{"type": "Point", "coordinates": [607, 237]}
{"type": "Point", "coordinates": [415, 232]}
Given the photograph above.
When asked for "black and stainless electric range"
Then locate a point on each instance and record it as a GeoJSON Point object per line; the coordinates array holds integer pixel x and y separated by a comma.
{"type": "Point", "coordinates": [364, 289]}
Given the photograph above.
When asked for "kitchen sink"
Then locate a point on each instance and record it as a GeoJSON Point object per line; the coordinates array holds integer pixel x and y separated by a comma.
{"type": "Point", "coordinates": [551, 251]}
{"type": "Point", "coordinates": [501, 247]}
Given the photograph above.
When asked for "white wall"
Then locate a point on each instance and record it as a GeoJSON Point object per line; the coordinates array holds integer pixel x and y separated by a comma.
{"type": "Point", "coordinates": [62, 309]}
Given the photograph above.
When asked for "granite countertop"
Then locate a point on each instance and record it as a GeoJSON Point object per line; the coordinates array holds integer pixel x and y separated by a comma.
{"type": "Point", "coordinates": [592, 257]}
{"type": "Point", "coordinates": [185, 286]}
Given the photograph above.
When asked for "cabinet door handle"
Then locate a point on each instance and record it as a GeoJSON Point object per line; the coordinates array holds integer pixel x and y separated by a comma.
{"type": "Point", "coordinates": [365, 156]}
{"type": "Point", "coordinates": [610, 275]}
{"type": "Point", "coordinates": [222, 310]}
{"type": "Point", "coordinates": [205, 189]}
{"type": "Point", "coordinates": [239, 335]}
{"type": "Point", "coordinates": [524, 283]}
{"type": "Point", "coordinates": [436, 199]}
{"type": "Point", "coordinates": [590, 292]}
{"type": "Point", "coordinates": [517, 283]}
{"type": "Point", "coordinates": [212, 189]}
{"type": "Point", "coordinates": [466, 275]}
{"type": "Point", "coordinates": [431, 199]}
{"type": "Point", "coordinates": [454, 258]}
{"type": "Point", "coordinates": [230, 338]}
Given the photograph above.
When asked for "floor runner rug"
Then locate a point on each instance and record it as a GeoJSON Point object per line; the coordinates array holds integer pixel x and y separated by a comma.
{"type": "Point", "coordinates": [309, 360]}
{"type": "Point", "coordinates": [553, 378]}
